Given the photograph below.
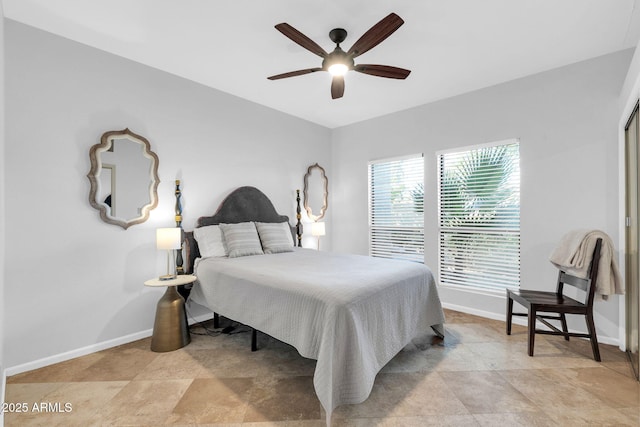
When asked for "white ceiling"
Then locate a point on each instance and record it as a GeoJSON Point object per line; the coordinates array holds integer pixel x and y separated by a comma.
{"type": "Point", "coordinates": [452, 46]}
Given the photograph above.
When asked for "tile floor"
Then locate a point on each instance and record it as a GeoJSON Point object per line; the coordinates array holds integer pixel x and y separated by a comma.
{"type": "Point", "coordinates": [477, 376]}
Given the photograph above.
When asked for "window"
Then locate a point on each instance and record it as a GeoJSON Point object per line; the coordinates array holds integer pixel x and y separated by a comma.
{"type": "Point", "coordinates": [479, 216]}
{"type": "Point", "coordinates": [396, 208]}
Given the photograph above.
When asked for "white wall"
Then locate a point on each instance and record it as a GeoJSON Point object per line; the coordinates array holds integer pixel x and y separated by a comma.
{"type": "Point", "coordinates": [72, 281]}
{"type": "Point", "coordinates": [2, 212]}
{"type": "Point", "coordinates": [566, 120]}
{"type": "Point", "coordinates": [631, 87]}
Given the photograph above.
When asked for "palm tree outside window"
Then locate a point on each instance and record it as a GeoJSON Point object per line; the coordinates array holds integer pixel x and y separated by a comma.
{"type": "Point", "coordinates": [479, 216]}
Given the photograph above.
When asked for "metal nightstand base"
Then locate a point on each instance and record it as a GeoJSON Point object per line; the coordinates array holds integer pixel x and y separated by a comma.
{"type": "Point", "coordinates": [170, 330]}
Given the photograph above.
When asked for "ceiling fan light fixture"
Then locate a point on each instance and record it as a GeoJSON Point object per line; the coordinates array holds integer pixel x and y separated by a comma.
{"type": "Point", "coordinates": [338, 63]}
{"type": "Point", "coordinates": [338, 69]}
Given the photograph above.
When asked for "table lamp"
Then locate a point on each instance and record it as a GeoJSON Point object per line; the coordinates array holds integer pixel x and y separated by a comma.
{"type": "Point", "coordinates": [168, 239]}
{"type": "Point", "coordinates": [317, 229]}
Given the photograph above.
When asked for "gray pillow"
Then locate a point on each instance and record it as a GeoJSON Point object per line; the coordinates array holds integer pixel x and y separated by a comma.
{"type": "Point", "coordinates": [241, 239]}
{"type": "Point", "coordinates": [275, 237]}
{"type": "Point", "coordinates": [210, 241]}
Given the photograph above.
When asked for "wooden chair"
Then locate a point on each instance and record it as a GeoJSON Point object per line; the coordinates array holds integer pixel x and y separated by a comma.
{"type": "Point", "coordinates": [556, 302]}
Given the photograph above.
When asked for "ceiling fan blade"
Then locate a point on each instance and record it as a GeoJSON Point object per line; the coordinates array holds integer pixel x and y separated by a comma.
{"type": "Point", "coordinates": [382, 71]}
{"type": "Point", "coordinates": [376, 34]}
{"type": "Point", "coordinates": [294, 73]}
{"type": "Point", "coordinates": [337, 87]}
{"type": "Point", "coordinates": [299, 38]}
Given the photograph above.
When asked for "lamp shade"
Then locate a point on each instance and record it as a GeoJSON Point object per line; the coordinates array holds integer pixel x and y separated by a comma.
{"type": "Point", "coordinates": [168, 238]}
{"type": "Point", "coordinates": [317, 229]}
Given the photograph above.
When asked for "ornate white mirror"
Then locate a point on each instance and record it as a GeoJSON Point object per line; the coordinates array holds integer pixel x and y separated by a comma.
{"type": "Point", "coordinates": [315, 192]}
{"type": "Point", "coordinates": [124, 178]}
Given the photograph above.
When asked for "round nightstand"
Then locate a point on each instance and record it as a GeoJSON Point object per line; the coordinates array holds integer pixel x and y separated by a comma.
{"type": "Point", "coordinates": [170, 329]}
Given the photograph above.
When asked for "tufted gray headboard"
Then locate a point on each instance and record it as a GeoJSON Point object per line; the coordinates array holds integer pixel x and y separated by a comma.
{"type": "Point", "coordinates": [242, 205]}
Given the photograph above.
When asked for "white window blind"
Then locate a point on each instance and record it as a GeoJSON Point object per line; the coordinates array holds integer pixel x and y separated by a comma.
{"type": "Point", "coordinates": [479, 216]}
{"type": "Point", "coordinates": [396, 208]}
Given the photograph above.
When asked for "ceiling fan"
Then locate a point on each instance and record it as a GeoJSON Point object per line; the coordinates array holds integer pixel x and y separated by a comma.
{"type": "Point", "coordinates": [339, 62]}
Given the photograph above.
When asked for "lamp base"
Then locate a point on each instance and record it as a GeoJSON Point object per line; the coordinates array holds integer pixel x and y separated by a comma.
{"type": "Point", "coordinates": [167, 277]}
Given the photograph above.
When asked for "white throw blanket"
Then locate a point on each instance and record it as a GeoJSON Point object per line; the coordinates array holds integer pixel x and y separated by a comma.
{"type": "Point", "coordinates": [574, 252]}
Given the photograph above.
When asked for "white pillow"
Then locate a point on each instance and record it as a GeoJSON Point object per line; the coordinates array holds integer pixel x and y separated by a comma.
{"type": "Point", "coordinates": [275, 237]}
{"type": "Point", "coordinates": [210, 241]}
{"type": "Point", "coordinates": [241, 239]}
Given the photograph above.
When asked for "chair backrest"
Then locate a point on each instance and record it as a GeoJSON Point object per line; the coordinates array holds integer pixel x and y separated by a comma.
{"type": "Point", "coordinates": [587, 285]}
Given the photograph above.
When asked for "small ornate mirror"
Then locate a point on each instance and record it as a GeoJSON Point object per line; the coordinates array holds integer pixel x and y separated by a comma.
{"type": "Point", "coordinates": [124, 178]}
{"type": "Point", "coordinates": [315, 192]}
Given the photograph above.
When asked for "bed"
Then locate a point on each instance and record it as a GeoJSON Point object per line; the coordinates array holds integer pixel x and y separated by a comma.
{"type": "Point", "coordinates": [351, 313]}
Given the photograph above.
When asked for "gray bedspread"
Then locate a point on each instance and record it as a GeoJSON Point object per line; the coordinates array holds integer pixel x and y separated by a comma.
{"type": "Point", "coordinates": [351, 313]}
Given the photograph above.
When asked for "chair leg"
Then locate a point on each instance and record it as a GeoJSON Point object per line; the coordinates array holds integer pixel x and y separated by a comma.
{"type": "Point", "coordinates": [509, 313]}
{"type": "Point", "coordinates": [532, 329]}
{"type": "Point", "coordinates": [591, 327]}
{"type": "Point", "coordinates": [563, 320]}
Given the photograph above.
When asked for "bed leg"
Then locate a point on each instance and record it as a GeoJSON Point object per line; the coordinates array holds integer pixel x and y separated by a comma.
{"type": "Point", "coordinates": [254, 340]}
{"type": "Point", "coordinates": [216, 320]}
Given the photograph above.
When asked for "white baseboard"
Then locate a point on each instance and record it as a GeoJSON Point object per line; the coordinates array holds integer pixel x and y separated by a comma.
{"type": "Point", "coordinates": [29, 366]}
{"type": "Point", "coordinates": [475, 312]}
{"type": "Point", "coordinates": [57, 358]}
{"type": "Point", "coordinates": [518, 320]}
